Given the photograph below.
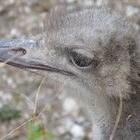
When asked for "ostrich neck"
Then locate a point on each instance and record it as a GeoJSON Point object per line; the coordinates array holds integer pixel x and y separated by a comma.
{"type": "Point", "coordinates": [129, 126]}
{"type": "Point", "coordinates": [103, 112]}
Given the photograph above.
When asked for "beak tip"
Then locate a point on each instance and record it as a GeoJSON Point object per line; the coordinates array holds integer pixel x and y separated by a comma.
{"type": "Point", "coordinates": [9, 48]}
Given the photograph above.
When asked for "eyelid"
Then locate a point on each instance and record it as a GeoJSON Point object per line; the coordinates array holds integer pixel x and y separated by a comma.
{"type": "Point", "coordinates": [69, 48]}
{"type": "Point", "coordinates": [86, 53]}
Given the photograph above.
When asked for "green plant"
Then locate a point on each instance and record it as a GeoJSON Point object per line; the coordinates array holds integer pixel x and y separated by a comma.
{"type": "Point", "coordinates": [37, 131]}
{"type": "Point", "coordinates": [8, 113]}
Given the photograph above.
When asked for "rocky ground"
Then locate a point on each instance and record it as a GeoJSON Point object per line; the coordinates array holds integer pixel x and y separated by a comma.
{"type": "Point", "coordinates": [61, 115]}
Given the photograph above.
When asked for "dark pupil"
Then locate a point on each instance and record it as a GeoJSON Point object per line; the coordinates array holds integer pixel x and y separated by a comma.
{"type": "Point", "coordinates": [80, 60]}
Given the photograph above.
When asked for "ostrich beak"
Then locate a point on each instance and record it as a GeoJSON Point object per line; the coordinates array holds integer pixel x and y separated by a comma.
{"type": "Point", "coordinates": [18, 53]}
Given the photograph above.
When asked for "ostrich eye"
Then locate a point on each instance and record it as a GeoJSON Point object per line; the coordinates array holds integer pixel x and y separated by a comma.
{"type": "Point", "coordinates": [83, 60]}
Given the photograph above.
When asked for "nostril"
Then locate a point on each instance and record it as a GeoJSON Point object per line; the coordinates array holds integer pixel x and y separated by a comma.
{"type": "Point", "coordinates": [20, 51]}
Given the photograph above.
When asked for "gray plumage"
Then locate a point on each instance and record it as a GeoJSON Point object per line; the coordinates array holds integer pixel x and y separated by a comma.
{"type": "Point", "coordinates": [96, 53]}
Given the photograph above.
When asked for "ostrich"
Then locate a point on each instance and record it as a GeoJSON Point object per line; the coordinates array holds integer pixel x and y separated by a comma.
{"type": "Point", "coordinates": [96, 53]}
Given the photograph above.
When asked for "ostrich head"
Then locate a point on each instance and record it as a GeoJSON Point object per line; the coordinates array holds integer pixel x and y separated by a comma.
{"type": "Point", "coordinates": [96, 52]}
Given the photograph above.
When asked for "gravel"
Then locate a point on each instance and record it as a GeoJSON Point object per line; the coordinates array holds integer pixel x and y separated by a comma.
{"type": "Point", "coordinates": [18, 88]}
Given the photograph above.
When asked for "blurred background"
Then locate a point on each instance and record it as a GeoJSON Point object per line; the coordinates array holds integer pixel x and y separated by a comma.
{"type": "Point", "coordinates": [60, 117]}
